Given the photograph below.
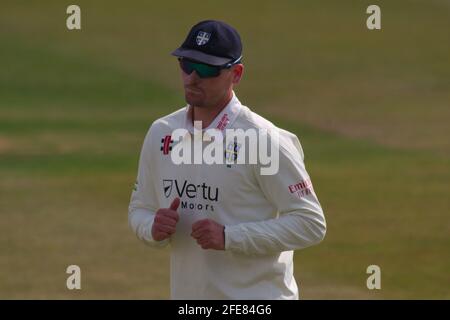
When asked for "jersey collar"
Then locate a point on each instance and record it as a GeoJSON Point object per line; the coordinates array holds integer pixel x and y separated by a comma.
{"type": "Point", "coordinates": [222, 121]}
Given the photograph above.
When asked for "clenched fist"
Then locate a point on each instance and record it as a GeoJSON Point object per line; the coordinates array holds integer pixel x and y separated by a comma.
{"type": "Point", "coordinates": [209, 234]}
{"type": "Point", "coordinates": [165, 222]}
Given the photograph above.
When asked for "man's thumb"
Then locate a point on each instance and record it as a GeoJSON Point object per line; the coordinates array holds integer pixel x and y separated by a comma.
{"type": "Point", "coordinates": [175, 204]}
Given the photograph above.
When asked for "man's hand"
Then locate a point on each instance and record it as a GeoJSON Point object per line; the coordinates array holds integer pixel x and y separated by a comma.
{"type": "Point", "coordinates": [164, 224]}
{"type": "Point", "coordinates": [209, 234]}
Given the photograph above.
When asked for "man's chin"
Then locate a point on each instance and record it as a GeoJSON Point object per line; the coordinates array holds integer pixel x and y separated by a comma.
{"type": "Point", "coordinates": [193, 102]}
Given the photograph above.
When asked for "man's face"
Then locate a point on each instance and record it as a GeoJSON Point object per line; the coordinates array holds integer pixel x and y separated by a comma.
{"type": "Point", "coordinates": [208, 92]}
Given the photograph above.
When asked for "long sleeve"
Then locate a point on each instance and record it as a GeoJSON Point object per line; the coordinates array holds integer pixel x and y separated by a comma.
{"type": "Point", "coordinates": [300, 222]}
{"type": "Point", "coordinates": [144, 201]}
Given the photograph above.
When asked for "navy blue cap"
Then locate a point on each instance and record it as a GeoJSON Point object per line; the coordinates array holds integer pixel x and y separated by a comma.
{"type": "Point", "coordinates": [212, 42]}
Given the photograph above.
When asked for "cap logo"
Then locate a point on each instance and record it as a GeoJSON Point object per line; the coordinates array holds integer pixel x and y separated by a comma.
{"type": "Point", "coordinates": [202, 37]}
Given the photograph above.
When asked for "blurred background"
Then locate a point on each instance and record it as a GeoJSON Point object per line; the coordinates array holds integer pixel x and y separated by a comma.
{"type": "Point", "coordinates": [371, 109]}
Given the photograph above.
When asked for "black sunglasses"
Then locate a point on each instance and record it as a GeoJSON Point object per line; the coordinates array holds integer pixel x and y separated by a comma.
{"type": "Point", "coordinates": [204, 70]}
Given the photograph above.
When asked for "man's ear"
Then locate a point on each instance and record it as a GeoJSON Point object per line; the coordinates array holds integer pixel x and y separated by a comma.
{"type": "Point", "coordinates": [238, 71]}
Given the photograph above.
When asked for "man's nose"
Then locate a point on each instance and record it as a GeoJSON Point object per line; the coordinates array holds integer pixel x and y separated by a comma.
{"type": "Point", "coordinates": [193, 77]}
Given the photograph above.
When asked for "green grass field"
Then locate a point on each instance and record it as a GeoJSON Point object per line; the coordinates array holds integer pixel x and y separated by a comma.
{"type": "Point", "coordinates": [371, 109]}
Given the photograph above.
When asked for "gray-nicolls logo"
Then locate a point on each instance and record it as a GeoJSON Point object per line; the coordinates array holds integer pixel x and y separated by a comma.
{"type": "Point", "coordinates": [202, 38]}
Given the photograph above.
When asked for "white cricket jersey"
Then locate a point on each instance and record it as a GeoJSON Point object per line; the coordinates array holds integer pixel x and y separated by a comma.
{"type": "Point", "coordinates": [266, 217]}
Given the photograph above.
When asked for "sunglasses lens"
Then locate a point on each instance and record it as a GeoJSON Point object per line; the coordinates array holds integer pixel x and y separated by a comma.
{"type": "Point", "coordinates": [203, 70]}
{"type": "Point", "coordinates": [186, 66]}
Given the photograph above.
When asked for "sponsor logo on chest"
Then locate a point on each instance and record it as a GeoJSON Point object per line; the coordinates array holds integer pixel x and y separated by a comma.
{"type": "Point", "coordinates": [199, 196]}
